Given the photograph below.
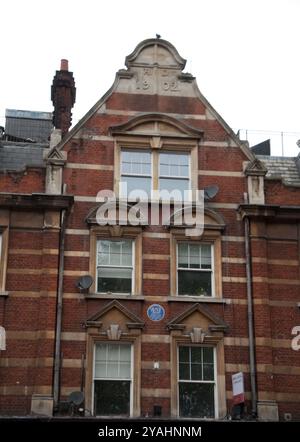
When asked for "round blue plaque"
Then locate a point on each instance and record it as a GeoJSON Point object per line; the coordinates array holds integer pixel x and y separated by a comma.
{"type": "Point", "coordinates": [156, 312]}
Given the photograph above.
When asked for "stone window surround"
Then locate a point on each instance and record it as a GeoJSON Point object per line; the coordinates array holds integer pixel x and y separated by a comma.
{"type": "Point", "coordinates": [178, 339]}
{"type": "Point", "coordinates": [156, 144]}
{"type": "Point", "coordinates": [212, 237]}
{"type": "Point", "coordinates": [115, 233]}
{"type": "Point", "coordinates": [101, 328]}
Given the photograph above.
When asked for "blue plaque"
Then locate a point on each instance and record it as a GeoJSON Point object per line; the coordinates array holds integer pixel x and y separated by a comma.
{"type": "Point", "coordinates": [156, 312]}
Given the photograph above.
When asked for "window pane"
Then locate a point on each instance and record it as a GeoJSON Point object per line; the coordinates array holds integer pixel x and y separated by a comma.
{"type": "Point", "coordinates": [100, 370]}
{"type": "Point", "coordinates": [135, 162]}
{"type": "Point", "coordinates": [196, 372]}
{"type": "Point", "coordinates": [125, 370]}
{"type": "Point", "coordinates": [115, 253]}
{"type": "Point", "coordinates": [138, 185]}
{"type": "Point", "coordinates": [103, 252]}
{"type": "Point", "coordinates": [206, 256]}
{"type": "Point", "coordinates": [170, 184]}
{"type": "Point", "coordinates": [112, 398]}
{"type": "Point", "coordinates": [126, 258]}
{"type": "Point", "coordinates": [208, 372]}
{"type": "Point", "coordinates": [184, 354]}
{"type": "Point", "coordinates": [174, 170]}
{"type": "Point", "coordinates": [145, 169]}
{"type": "Point", "coordinates": [196, 363]}
{"type": "Point", "coordinates": [114, 280]}
{"type": "Point", "coordinates": [112, 361]}
{"type": "Point", "coordinates": [113, 352]}
{"type": "Point", "coordinates": [196, 399]}
{"type": "Point", "coordinates": [125, 353]}
{"type": "Point", "coordinates": [183, 159]}
{"type": "Point", "coordinates": [126, 167]}
{"type": "Point", "coordinates": [103, 258]}
{"type": "Point", "coordinates": [208, 355]}
{"type": "Point", "coordinates": [145, 160]}
{"type": "Point", "coordinates": [174, 164]}
{"type": "Point", "coordinates": [194, 250]}
{"type": "Point", "coordinates": [194, 283]}
{"type": "Point", "coordinates": [196, 354]}
{"type": "Point", "coordinates": [100, 352]}
{"type": "Point", "coordinates": [114, 272]}
{"type": "Point", "coordinates": [184, 171]}
{"type": "Point", "coordinates": [183, 255]}
{"type": "Point", "coordinates": [184, 371]}
{"type": "Point", "coordinates": [164, 170]}
{"type": "Point", "coordinates": [112, 370]}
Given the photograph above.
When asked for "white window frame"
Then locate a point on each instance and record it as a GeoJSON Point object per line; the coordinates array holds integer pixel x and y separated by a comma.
{"type": "Point", "coordinates": [136, 175]}
{"type": "Point", "coordinates": [197, 270]}
{"type": "Point", "coordinates": [113, 379]}
{"type": "Point", "coordinates": [115, 266]}
{"type": "Point", "coordinates": [155, 167]}
{"type": "Point", "coordinates": [175, 177]}
{"type": "Point", "coordinates": [216, 405]}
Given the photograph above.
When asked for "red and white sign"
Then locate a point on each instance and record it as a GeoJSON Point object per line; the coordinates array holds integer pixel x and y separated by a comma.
{"type": "Point", "coordinates": [238, 388]}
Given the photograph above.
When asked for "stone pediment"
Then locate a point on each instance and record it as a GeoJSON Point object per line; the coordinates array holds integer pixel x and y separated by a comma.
{"type": "Point", "coordinates": [211, 218]}
{"type": "Point", "coordinates": [197, 320]}
{"type": "Point", "coordinates": [156, 125]}
{"type": "Point", "coordinates": [115, 215]}
{"type": "Point", "coordinates": [55, 156]}
{"type": "Point", "coordinates": [256, 167]}
{"type": "Point", "coordinates": [114, 318]}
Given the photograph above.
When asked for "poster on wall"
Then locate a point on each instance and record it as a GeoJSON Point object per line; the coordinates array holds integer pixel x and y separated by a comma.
{"type": "Point", "coordinates": [238, 388]}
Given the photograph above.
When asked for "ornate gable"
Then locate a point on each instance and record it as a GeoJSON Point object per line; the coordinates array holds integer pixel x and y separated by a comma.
{"type": "Point", "coordinates": [155, 68]}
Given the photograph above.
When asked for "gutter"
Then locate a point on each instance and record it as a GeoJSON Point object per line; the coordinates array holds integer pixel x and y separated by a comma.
{"type": "Point", "coordinates": [250, 319]}
{"type": "Point", "coordinates": [59, 305]}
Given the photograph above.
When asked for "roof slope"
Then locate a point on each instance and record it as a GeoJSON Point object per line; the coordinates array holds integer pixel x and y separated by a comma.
{"type": "Point", "coordinates": [284, 168]}
{"type": "Point", "coordinates": [18, 156]}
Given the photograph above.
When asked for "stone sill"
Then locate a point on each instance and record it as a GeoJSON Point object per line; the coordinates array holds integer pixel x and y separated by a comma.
{"type": "Point", "coordinates": [114, 296]}
{"type": "Point", "coordinates": [3, 293]}
{"type": "Point", "coordinates": [201, 299]}
{"type": "Point", "coordinates": [207, 299]}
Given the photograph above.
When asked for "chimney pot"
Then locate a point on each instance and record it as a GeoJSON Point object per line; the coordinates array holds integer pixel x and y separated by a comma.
{"type": "Point", "coordinates": [64, 65]}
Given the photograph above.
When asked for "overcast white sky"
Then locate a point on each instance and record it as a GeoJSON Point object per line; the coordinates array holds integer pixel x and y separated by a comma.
{"type": "Point", "coordinates": [244, 53]}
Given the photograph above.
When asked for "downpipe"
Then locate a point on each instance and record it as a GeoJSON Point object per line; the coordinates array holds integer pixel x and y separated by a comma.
{"type": "Point", "coordinates": [250, 320]}
{"type": "Point", "coordinates": [57, 355]}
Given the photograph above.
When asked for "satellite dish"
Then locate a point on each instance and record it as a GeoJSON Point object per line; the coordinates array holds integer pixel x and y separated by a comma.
{"type": "Point", "coordinates": [210, 192]}
{"type": "Point", "coordinates": [76, 397]}
{"type": "Point", "coordinates": [84, 282]}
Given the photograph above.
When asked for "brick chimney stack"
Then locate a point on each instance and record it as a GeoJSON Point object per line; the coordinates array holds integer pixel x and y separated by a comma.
{"type": "Point", "coordinates": [63, 94]}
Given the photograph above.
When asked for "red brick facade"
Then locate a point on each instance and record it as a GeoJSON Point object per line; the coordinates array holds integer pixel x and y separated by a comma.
{"type": "Point", "coordinates": [161, 105]}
